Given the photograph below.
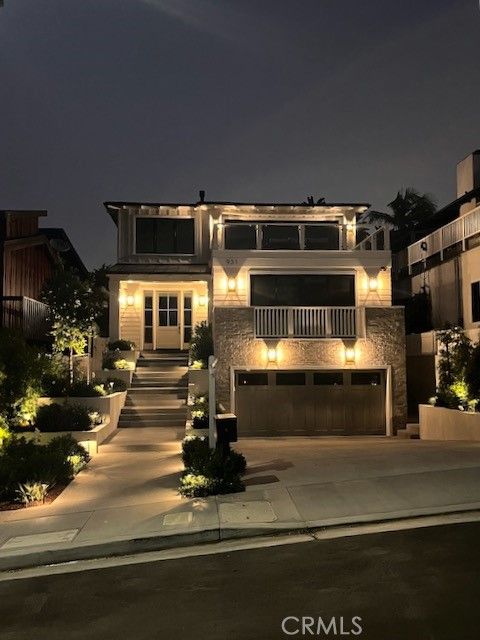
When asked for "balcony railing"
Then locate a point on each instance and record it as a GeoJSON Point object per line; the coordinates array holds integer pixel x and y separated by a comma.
{"type": "Point", "coordinates": [26, 315]}
{"type": "Point", "coordinates": [306, 322]}
{"type": "Point", "coordinates": [456, 232]}
{"type": "Point", "coordinates": [305, 236]}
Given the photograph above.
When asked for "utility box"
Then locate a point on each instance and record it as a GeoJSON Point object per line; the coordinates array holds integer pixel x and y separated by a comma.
{"type": "Point", "coordinates": [226, 425]}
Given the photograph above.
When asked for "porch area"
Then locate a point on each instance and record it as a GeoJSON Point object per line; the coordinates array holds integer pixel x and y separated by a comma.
{"type": "Point", "coordinates": [158, 314]}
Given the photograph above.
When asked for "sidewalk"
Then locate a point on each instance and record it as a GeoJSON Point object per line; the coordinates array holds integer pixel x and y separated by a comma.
{"type": "Point", "coordinates": [126, 500]}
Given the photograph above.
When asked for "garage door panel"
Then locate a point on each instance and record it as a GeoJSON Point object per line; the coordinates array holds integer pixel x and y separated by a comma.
{"type": "Point", "coordinates": [353, 405]}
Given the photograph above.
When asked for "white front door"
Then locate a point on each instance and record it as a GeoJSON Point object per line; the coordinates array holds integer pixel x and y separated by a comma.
{"type": "Point", "coordinates": [168, 334]}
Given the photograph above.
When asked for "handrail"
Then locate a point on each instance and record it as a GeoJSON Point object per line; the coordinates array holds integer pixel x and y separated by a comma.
{"type": "Point", "coordinates": [455, 232]}
{"type": "Point", "coordinates": [306, 322]}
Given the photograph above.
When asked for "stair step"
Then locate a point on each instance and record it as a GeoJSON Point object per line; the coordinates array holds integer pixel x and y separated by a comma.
{"type": "Point", "coordinates": [151, 423]}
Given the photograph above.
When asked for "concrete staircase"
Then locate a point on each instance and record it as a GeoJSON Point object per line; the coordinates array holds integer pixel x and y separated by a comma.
{"type": "Point", "coordinates": [158, 395]}
{"type": "Point", "coordinates": [411, 432]}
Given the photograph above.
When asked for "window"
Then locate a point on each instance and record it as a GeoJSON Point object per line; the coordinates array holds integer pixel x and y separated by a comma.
{"type": "Point", "coordinates": [168, 311]}
{"type": "Point", "coordinates": [372, 378]}
{"type": "Point", "coordinates": [302, 290]}
{"type": "Point", "coordinates": [280, 236]}
{"type": "Point", "coordinates": [148, 319]}
{"type": "Point", "coordinates": [295, 378]}
{"type": "Point", "coordinates": [253, 379]}
{"type": "Point", "coordinates": [240, 236]}
{"type": "Point", "coordinates": [187, 318]}
{"type": "Point", "coordinates": [165, 235]}
{"type": "Point", "coordinates": [322, 236]}
{"type": "Point", "coordinates": [328, 378]}
{"type": "Point", "coordinates": [475, 301]}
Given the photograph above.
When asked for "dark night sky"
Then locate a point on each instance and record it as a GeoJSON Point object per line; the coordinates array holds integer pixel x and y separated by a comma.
{"type": "Point", "coordinates": [250, 99]}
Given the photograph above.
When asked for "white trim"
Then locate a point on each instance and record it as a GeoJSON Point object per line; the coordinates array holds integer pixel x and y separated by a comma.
{"type": "Point", "coordinates": [386, 368]}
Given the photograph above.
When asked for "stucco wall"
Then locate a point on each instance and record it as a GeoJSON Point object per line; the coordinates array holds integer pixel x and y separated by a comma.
{"type": "Point", "coordinates": [383, 345]}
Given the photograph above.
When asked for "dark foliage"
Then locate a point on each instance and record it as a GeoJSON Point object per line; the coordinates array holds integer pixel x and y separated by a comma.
{"type": "Point", "coordinates": [63, 417]}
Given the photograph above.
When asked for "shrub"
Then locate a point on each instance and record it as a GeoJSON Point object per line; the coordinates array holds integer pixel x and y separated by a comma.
{"type": "Point", "coordinates": [70, 449]}
{"type": "Point", "coordinates": [210, 472]}
{"type": "Point", "coordinates": [201, 344]}
{"type": "Point", "coordinates": [55, 378]}
{"type": "Point", "coordinates": [23, 462]}
{"type": "Point", "coordinates": [32, 492]}
{"type": "Point", "coordinates": [200, 422]}
{"type": "Point", "coordinates": [114, 385]}
{"type": "Point", "coordinates": [83, 389]}
{"type": "Point", "coordinates": [4, 431]}
{"type": "Point", "coordinates": [64, 417]}
{"type": "Point", "coordinates": [121, 345]}
{"type": "Point", "coordinates": [472, 373]}
{"type": "Point", "coordinates": [113, 360]}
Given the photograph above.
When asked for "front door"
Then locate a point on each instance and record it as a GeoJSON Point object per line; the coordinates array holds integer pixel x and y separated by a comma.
{"type": "Point", "coordinates": [168, 321]}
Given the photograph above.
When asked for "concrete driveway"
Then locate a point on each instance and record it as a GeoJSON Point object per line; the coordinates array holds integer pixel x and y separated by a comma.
{"type": "Point", "coordinates": [129, 491]}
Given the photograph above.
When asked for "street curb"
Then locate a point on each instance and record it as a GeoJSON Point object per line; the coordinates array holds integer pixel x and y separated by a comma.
{"type": "Point", "coordinates": [120, 548]}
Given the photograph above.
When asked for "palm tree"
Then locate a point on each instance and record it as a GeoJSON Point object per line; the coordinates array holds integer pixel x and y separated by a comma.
{"type": "Point", "coordinates": [409, 209]}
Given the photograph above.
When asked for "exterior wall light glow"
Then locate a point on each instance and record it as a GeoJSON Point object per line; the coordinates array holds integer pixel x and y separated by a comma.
{"type": "Point", "coordinates": [122, 299]}
{"type": "Point", "coordinates": [231, 284]}
{"type": "Point", "coordinates": [202, 300]}
{"type": "Point", "coordinates": [349, 355]}
{"type": "Point", "coordinates": [130, 301]}
{"type": "Point", "coordinates": [349, 226]}
{"type": "Point", "coordinates": [272, 355]}
{"type": "Point", "coordinates": [373, 284]}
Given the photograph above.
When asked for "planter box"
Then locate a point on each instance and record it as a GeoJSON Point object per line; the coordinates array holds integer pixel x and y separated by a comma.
{"type": "Point", "coordinates": [190, 431]}
{"type": "Point", "coordinates": [198, 381]}
{"type": "Point", "coordinates": [438, 423]}
{"type": "Point", "coordinates": [101, 375]}
{"type": "Point", "coordinates": [109, 406]}
{"type": "Point", "coordinates": [90, 440]}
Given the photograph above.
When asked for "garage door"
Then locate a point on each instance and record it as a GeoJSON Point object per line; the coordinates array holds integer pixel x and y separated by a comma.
{"type": "Point", "coordinates": [316, 403]}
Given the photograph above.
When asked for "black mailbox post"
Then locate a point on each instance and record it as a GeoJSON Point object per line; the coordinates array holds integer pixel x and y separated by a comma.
{"type": "Point", "coordinates": [226, 425]}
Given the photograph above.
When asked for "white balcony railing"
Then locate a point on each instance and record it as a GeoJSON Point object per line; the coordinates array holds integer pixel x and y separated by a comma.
{"type": "Point", "coordinates": [306, 322]}
{"type": "Point", "coordinates": [455, 232]}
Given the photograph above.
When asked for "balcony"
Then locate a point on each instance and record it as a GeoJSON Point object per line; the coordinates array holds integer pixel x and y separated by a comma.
{"type": "Point", "coordinates": [442, 240]}
{"type": "Point", "coordinates": [306, 236]}
{"type": "Point", "coordinates": [306, 322]}
{"type": "Point", "coordinates": [26, 315]}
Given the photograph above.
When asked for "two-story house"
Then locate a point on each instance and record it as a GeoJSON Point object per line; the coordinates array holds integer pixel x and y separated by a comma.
{"type": "Point", "coordinates": [306, 338]}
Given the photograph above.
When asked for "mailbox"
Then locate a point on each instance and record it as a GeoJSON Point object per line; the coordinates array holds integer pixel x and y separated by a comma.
{"type": "Point", "coordinates": [226, 425]}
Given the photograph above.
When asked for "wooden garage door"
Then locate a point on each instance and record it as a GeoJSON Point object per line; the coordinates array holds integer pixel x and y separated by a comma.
{"type": "Point", "coordinates": [316, 403]}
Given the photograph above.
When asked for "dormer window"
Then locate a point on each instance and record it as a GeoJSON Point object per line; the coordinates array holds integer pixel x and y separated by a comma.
{"type": "Point", "coordinates": [165, 236]}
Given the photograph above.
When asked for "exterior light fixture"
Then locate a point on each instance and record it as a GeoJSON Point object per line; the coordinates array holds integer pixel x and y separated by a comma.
{"type": "Point", "coordinates": [130, 301]}
{"type": "Point", "coordinates": [349, 226]}
{"type": "Point", "coordinates": [272, 355]}
{"type": "Point", "coordinates": [202, 300]}
{"type": "Point", "coordinates": [349, 355]}
{"type": "Point", "coordinates": [122, 299]}
{"type": "Point", "coordinates": [231, 284]}
{"type": "Point", "coordinates": [373, 284]}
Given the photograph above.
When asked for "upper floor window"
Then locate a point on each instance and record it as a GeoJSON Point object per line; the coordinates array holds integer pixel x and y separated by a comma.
{"type": "Point", "coordinates": [282, 235]}
{"type": "Point", "coordinates": [165, 235]}
{"type": "Point", "coordinates": [299, 290]}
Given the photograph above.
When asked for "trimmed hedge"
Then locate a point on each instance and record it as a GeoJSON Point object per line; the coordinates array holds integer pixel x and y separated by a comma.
{"type": "Point", "coordinates": [64, 417]}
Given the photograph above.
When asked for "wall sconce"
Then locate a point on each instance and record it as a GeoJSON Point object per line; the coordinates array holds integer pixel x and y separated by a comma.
{"type": "Point", "coordinates": [349, 355]}
{"type": "Point", "coordinates": [202, 300]}
{"type": "Point", "coordinates": [373, 284]}
{"type": "Point", "coordinates": [231, 284]}
{"type": "Point", "coordinates": [122, 299]}
{"type": "Point", "coordinates": [130, 301]}
{"type": "Point", "coordinates": [349, 226]}
{"type": "Point", "coordinates": [272, 355]}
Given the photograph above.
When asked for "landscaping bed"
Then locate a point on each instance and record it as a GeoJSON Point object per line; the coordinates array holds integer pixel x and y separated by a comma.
{"type": "Point", "coordinates": [440, 423]}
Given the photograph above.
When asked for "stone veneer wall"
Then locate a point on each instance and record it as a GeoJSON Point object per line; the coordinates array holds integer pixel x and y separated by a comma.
{"type": "Point", "coordinates": [384, 344]}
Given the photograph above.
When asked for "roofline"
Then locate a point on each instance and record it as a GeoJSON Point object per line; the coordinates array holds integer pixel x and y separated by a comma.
{"type": "Point", "coordinates": [38, 212]}
{"type": "Point", "coordinates": [113, 206]}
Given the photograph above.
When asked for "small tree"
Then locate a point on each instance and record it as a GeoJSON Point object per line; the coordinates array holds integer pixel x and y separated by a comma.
{"type": "Point", "coordinates": [201, 344]}
{"type": "Point", "coordinates": [472, 374]}
{"type": "Point", "coordinates": [74, 305]}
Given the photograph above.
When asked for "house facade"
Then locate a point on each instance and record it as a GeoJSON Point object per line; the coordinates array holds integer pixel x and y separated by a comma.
{"type": "Point", "coordinates": [305, 335]}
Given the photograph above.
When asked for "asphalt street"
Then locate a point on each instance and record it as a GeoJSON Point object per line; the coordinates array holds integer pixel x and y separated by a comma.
{"type": "Point", "coordinates": [420, 584]}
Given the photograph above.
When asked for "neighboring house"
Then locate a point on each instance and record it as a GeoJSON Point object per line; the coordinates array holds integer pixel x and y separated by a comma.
{"type": "Point", "coordinates": [28, 257]}
{"type": "Point", "coordinates": [306, 338]}
{"type": "Point", "coordinates": [445, 263]}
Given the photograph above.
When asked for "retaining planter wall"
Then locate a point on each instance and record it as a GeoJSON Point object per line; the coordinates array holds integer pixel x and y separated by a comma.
{"type": "Point", "coordinates": [101, 375]}
{"type": "Point", "coordinates": [438, 423]}
{"type": "Point", "coordinates": [88, 439]}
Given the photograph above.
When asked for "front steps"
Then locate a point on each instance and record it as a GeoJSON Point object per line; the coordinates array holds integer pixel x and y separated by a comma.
{"type": "Point", "coordinates": [158, 395]}
{"type": "Point", "coordinates": [411, 432]}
